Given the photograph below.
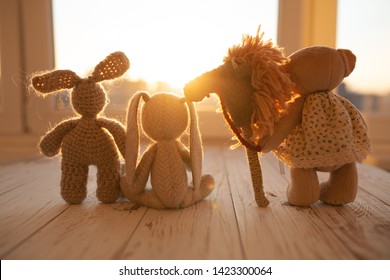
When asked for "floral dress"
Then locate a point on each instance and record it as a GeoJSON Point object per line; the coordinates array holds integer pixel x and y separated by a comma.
{"type": "Point", "coordinates": [332, 133]}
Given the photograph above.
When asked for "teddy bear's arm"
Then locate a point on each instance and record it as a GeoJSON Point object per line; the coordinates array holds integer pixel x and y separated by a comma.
{"type": "Point", "coordinates": [292, 118]}
{"type": "Point", "coordinates": [117, 130]}
{"type": "Point", "coordinates": [50, 144]}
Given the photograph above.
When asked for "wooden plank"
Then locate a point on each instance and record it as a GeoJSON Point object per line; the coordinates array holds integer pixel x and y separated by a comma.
{"type": "Point", "coordinates": [42, 226]}
{"type": "Point", "coordinates": [375, 181]}
{"type": "Point", "coordinates": [37, 224]}
{"type": "Point", "coordinates": [207, 230]}
{"type": "Point", "coordinates": [364, 225]}
{"type": "Point", "coordinates": [29, 200]}
{"type": "Point", "coordinates": [279, 231]}
{"type": "Point", "coordinates": [18, 174]}
{"type": "Point", "coordinates": [91, 230]}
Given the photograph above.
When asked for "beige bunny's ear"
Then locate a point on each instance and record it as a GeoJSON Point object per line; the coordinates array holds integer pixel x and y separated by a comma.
{"type": "Point", "coordinates": [113, 66]}
{"type": "Point", "coordinates": [349, 60]}
{"type": "Point", "coordinates": [55, 80]}
{"type": "Point", "coordinates": [133, 136]}
{"type": "Point", "coordinates": [196, 150]}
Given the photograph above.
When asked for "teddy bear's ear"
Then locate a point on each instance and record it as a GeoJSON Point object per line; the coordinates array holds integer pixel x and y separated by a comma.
{"type": "Point", "coordinates": [113, 66]}
{"type": "Point", "coordinates": [54, 81]}
{"type": "Point", "coordinates": [349, 61]}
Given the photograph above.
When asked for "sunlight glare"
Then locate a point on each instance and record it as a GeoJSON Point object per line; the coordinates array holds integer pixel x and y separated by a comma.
{"type": "Point", "coordinates": [171, 41]}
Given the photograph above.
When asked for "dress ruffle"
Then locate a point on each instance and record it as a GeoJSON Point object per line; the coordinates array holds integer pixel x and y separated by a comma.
{"type": "Point", "coordinates": [332, 133]}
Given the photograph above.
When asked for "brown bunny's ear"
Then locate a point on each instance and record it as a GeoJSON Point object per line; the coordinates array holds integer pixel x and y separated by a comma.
{"type": "Point", "coordinates": [133, 135]}
{"type": "Point", "coordinates": [196, 150]}
{"type": "Point", "coordinates": [349, 61]}
{"type": "Point", "coordinates": [113, 66]}
{"type": "Point", "coordinates": [55, 80]}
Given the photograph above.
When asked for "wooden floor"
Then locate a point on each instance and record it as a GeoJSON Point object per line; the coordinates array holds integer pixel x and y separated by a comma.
{"type": "Point", "coordinates": [37, 224]}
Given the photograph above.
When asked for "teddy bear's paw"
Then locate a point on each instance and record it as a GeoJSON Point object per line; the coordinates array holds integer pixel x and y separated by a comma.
{"type": "Point", "coordinates": [304, 189]}
{"type": "Point", "coordinates": [341, 188]}
{"type": "Point", "coordinates": [336, 197]}
{"type": "Point", "coordinates": [302, 199]}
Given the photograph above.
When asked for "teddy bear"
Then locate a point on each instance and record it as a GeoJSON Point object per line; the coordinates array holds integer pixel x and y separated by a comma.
{"type": "Point", "coordinates": [165, 118]}
{"type": "Point", "coordinates": [287, 105]}
{"type": "Point", "coordinates": [90, 138]}
{"type": "Point", "coordinates": [323, 131]}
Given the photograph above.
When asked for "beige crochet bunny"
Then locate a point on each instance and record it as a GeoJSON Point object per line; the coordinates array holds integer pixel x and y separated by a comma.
{"type": "Point", "coordinates": [164, 119]}
{"type": "Point", "coordinates": [89, 139]}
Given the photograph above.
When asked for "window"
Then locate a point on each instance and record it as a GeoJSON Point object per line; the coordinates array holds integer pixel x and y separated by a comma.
{"type": "Point", "coordinates": [363, 26]}
{"type": "Point", "coordinates": [168, 42]}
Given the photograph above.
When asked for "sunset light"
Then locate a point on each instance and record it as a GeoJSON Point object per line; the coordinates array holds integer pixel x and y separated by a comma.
{"type": "Point", "coordinates": [171, 41]}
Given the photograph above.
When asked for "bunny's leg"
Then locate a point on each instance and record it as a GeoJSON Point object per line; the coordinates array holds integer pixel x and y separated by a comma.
{"type": "Point", "coordinates": [108, 190]}
{"type": "Point", "coordinates": [73, 182]}
{"type": "Point", "coordinates": [192, 196]}
{"type": "Point", "coordinates": [147, 198]}
{"type": "Point", "coordinates": [341, 188]}
{"type": "Point", "coordinates": [304, 189]}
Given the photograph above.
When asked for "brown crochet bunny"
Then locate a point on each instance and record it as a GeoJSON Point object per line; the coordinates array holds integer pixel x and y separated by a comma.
{"type": "Point", "coordinates": [164, 119]}
{"type": "Point", "coordinates": [89, 139]}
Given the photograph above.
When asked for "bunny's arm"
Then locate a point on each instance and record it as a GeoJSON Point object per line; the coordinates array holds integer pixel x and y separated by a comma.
{"type": "Point", "coordinates": [136, 182]}
{"type": "Point", "coordinates": [50, 144]}
{"type": "Point", "coordinates": [292, 118]}
{"type": "Point", "coordinates": [184, 153]}
{"type": "Point", "coordinates": [117, 130]}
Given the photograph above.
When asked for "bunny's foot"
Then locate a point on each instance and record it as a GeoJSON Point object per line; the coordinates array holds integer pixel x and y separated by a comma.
{"type": "Point", "coordinates": [74, 183]}
{"type": "Point", "coordinates": [147, 198]}
{"type": "Point", "coordinates": [206, 187]}
{"type": "Point", "coordinates": [341, 188]}
{"type": "Point", "coordinates": [304, 189]}
{"type": "Point", "coordinates": [108, 180]}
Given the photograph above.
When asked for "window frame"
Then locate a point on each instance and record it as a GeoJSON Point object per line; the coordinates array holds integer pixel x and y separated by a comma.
{"type": "Point", "coordinates": [33, 50]}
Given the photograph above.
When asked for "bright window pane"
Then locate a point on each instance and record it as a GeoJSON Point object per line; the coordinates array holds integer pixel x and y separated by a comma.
{"type": "Point", "coordinates": [363, 26]}
{"type": "Point", "coordinates": [170, 41]}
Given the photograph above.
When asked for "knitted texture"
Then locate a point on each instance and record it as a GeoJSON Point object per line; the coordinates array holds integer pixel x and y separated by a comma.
{"type": "Point", "coordinates": [256, 173]}
{"type": "Point", "coordinates": [90, 139]}
{"type": "Point", "coordinates": [164, 120]}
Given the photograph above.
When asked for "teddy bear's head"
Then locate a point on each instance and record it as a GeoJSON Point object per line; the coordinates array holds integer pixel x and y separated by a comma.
{"type": "Point", "coordinates": [319, 68]}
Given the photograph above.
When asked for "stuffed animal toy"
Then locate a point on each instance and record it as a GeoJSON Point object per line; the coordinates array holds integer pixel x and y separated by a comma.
{"type": "Point", "coordinates": [253, 89]}
{"type": "Point", "coordinates": [164, 120]}
{"type": "Point", "coordinates": [90, 139]}
{"type": "Point", "coordinates": [269, 99]}
{"type": "Point", "coordinates": [331, 134]}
